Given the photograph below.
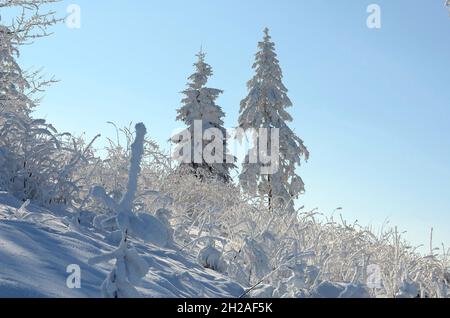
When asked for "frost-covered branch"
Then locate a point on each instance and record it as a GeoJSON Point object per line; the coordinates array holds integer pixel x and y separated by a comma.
{"type": "Point", "coordinates": [32, 23]}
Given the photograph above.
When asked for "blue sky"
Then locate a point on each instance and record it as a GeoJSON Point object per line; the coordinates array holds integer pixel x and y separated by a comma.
{"type": "Point", "coordinates": [373, 106]}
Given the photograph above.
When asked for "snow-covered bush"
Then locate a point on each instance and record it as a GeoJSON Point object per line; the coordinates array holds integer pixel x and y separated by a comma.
{"type": "Point", "coordinates": [140, 225]}
{"type": "Point", "coordinates": [296, 253]}
{"type": "Point", "coordinates": [129, 267]}
{"type": "Point", "coordinates": [38, 163]}
{"type": "Point", "coordinates": [211, 257]}
{"type": "Point", "coordinates": [111, 172]}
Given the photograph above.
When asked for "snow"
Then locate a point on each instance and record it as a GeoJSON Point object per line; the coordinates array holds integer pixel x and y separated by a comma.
{"type": "Point", "coordinates": [408, 290]}
{"type": "Point", "coordinates": [150, 229]}
{"type": "Point", "coordinates": [34, 258]}
{"type": "Point", "coordinates": [263, 291]}
{"type": "Point", "coordinates": [132, 225]}
{"type": "Point", "coordinates": [339, 290]}
{"type": "Point", "coordinates": [210, 257]}
{"type": "Point", "coordinates": [129, 269]}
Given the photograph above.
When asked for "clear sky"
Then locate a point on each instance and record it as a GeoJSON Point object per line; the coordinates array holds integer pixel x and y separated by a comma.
{"type": "Point", "coordinates": [373, 106]}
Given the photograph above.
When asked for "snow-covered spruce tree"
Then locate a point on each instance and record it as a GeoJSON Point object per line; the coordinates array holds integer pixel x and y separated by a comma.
{"type": "Point", "coordinates": [265, 107]}
{"type": "Point", "coordinates": [199, 106]}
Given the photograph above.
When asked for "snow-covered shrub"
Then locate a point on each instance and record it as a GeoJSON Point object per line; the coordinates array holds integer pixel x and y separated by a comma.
{"type": "Point", "coordinates": [211, 257]}
{"type": "Point", "coordinates": [255, 260]}
{"type": "Point", "coordinates": [129, 269]}
{"type": "Point", "coordinates": [129, 266]}
{"type": "Point", "coordinates": [38, 163]}
{"type": "Point", "coordinates": [198, 205]}
{"type": "Point", "coordinates": [111, 172]}
{"type": "Point", "coordinates": [299, 252]}
{"type": "Point", "coordinates": [21, 212]}
{"type": "Point", "coordinates": [293, 253]}
{"type": "Point", "coordinates": [142, 225]}
{"type": "Point", "coordinates": [139, 225]}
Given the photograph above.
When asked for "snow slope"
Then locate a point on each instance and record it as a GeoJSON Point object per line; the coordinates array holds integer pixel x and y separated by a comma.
{"type": "Point", "coordinates": [37, 248]}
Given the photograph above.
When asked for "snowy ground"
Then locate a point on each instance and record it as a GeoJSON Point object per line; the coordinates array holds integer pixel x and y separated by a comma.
{"type": "Point", "coordinates": [37, 248]}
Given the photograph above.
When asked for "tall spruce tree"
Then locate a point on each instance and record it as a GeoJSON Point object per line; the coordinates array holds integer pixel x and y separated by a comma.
{"type": "Point", "coordinates": [199, 106]}
{"type": "Point", "coordinates": [265, 107]}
